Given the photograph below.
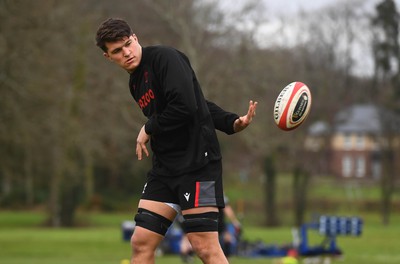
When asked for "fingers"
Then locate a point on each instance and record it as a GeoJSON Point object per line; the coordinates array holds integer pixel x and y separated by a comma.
{"type": "Point", "coordinates": [252, 108]}
{"type": "Point", "coordinates": [138, 151]}
{"type": "Point", "coordinates": [243, 121]}
{"type": "Point", "coordinates": [140, 148]}
{"type": "Point", "coordinates": [141, 141]}
{"type": "Point", "coordinates": [252, 111]}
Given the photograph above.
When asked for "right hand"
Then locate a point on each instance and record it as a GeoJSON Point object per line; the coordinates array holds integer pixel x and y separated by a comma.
{"type": "Point", "coordinates": [243, 121]}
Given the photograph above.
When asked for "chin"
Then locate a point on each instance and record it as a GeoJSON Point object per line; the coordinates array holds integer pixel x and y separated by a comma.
{"type": "Point", "coordinates": [131, 68]}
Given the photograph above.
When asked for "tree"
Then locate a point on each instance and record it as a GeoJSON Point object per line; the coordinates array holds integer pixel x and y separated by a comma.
{"type": "Point", "coordinates": [386, 51]}
{"type": "Point", "coordinates": [270, 191]}
{"type": "Point", "coordinates": [300, 187]}
{"type": "Point", "coordinates": [386, 46]}
{"type": "Point", "coordinates": [68, 122]}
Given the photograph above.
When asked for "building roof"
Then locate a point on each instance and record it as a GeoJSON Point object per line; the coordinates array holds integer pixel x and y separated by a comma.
{"type": "Point", "coordinates": [359, 118]}
{"type": "Point", "coordinates": [319, 128]}
{"type": "Point", "coordinates": [363, 118]}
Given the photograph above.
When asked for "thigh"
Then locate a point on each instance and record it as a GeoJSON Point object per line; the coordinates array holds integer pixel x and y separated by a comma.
{"type": "Point", "coordinates": [207, 240]}
{"type": "Point", "coordinates": [202, 188]}
{"type": "Point", "coordinates": [159, 208]}
{"type": "Point", "coordinates": [200, 210]}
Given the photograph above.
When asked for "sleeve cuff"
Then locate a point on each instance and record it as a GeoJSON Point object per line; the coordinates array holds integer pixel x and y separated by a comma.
{"type": "Point", "coordinates": [148, 128]}
{"type": "Point", "coordinates": [232, 121]}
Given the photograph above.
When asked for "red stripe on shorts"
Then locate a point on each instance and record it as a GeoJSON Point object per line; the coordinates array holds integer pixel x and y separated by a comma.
{"type": "Point", "coordinates": [196, 198]}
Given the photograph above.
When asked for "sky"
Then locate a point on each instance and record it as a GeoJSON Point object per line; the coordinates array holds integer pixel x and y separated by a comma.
{"type": "Point", "coordinates": [296, 5]}
{"type": "Point", "coordinates": [272, 32]}
{"type": "Point", "coordinates": [364, 64]}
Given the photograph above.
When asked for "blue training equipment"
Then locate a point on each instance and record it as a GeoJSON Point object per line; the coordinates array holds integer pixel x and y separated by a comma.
{"type": "Point", "coordinates": [329, 227]}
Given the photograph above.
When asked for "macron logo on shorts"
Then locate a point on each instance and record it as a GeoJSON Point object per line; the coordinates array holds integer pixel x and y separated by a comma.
{"type": "Point", "coordinates": [187, 195]}
{"type": "Point", "coordinates": [144, 188]}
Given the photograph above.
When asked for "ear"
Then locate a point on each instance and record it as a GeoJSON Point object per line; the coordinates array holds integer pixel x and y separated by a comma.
{"type": "Point", "coordinates": [105, 54]}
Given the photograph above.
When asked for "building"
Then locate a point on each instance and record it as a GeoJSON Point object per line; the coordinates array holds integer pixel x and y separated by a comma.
{"type": "Point", "coordinates": [352, 146]}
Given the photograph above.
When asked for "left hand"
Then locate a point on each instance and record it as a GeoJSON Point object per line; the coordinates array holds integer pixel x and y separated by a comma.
{"type": "Point", "coordinates": [243, 121]}
{"type": "Point", "coordinates": [141, 142]}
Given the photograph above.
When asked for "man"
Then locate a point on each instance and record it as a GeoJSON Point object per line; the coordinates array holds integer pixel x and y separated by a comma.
{"type": "Point", "coordinates": [226, 236]}
{"type": "Point", "coordinates": [186, 172]}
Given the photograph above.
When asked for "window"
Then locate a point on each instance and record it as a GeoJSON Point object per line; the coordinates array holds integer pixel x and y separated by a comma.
{"type": "Point", "coordinates": [376, 170]}
{"type": "Point", "coordinates": [360, 142]}
{"type": "Point", "coordinates": [346, 166]}
{"type": "Point", "coordinates": [360, 167]}
{"type": "Point", "coordinates": [347, 141]}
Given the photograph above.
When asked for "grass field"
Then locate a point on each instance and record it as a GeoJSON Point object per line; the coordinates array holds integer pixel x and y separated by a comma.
{"type": "Point", "coordinates": [22, 240]}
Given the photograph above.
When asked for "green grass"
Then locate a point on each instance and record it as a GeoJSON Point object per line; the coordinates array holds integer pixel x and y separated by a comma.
{"type": "Point", "coordinates": [24, 240]}
{"type": "Point", "coordinates": [325, 195]}
{"type": "Point", "coordinates": [28, 245]}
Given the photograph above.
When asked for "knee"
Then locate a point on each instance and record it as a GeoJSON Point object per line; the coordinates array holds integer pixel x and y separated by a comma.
{"type": "Point", "coordinates": [149, 231]}
{"type": "Point", "coordinates": [204, 248]}
{"type": "Point", "coordinates": [200, 247]}
{"type": "Point", "coordinates": [139, 243]}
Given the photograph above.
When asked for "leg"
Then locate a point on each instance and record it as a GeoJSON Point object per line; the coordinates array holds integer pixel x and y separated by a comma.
{"type": "Point", "coordinates": [227, 242]}
{"type": "Point", "coordinates": [186, 250]}
{"type": "Point", "coordinates": [207, 247]}
{"type": "Point", "coordinates": [144, 243]}
{"type": "Point", "coordinates": [151, 225]}
{"type": "Point", "coordinates": [201, 226]}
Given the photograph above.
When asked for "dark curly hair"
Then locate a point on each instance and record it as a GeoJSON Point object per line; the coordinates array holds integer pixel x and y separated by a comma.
{"type": "Point", "coordinates": [111, 30]}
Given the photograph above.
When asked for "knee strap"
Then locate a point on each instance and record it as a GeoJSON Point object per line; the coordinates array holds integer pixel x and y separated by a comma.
{"type": "Point", "coordinates": [152, 221]}
{"type": "Point", "coordinates": [205, 222]}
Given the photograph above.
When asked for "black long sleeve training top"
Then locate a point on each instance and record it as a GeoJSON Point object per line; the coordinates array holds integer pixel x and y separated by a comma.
{"type": "Point", "coordinates": [181, 121]}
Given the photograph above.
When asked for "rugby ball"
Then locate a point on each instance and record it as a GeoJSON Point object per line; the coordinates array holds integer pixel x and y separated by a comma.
{"type": "Point", "coordinates": [292, 106]}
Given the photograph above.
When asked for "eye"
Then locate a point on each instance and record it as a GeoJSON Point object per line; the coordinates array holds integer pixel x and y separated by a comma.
{"type": "Point", "coordinates": [116, 51]}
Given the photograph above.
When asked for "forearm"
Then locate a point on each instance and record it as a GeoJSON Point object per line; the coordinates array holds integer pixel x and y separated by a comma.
{"type": "Point", "coordinates": [223, 120]}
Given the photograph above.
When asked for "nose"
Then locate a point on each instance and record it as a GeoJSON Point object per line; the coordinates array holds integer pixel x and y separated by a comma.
{"type": "Point", "coordinates": [126, 52]}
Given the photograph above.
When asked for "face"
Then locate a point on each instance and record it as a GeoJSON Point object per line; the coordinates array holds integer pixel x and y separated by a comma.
{"type": "Point", "coordinates": [126, 53]}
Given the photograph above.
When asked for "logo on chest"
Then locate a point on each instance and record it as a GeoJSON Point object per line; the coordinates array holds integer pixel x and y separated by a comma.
{"type": "Point", "coordinates": [146, 99]}
{"type": "Point", "coordinates": [148, 96]}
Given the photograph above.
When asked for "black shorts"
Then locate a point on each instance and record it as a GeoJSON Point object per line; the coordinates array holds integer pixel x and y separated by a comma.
{"type": "Point", "coordinates": [198, 188]}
